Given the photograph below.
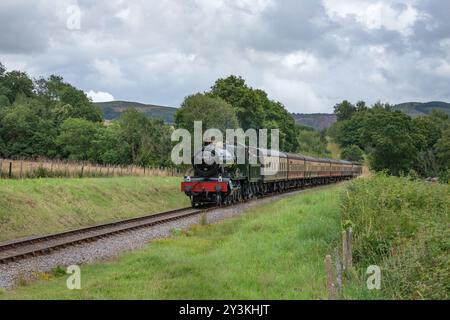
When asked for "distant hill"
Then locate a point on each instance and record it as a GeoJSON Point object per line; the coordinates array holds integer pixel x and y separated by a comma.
{"type": "Point", "coordinates": [321, 121]}
{"type": "Point", "coordinates": [416, 109]}
{"type": "Point", "coordinates": [112, 110]}
{"type": "Point", "coordinates": [317, 121]}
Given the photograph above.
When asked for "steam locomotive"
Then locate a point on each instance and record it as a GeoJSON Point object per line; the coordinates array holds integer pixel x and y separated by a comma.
{"type": "Point", "coordinates": [219, 178]}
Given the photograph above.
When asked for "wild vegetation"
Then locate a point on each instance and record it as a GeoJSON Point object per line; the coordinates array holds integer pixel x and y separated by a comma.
{"type": "Point", "coordinates": [313, 143]}
{"type": "Point", "coordinates": [41, 206]}
{"type": "Point", "coordinates": [42, 168]}
{"type": "Point", "coordinates": [401, 225]}
{"type": "Point", "coordinates": [392, 140]}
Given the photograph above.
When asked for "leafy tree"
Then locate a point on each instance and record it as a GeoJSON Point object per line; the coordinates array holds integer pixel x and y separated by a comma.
{"type": "Point", "coordinates": [27, 130]}
{"type": "Point", "coordinates": [156, 145]}
{"type": "Point", "coordinates": [255, 110]}
{"type": "Point", "coordinates": [108, 146]}
{"type": "Point", "coordinates": [442, 149]}
{"type": "Point", "coordinates": [249, 104]}
{"type": "Point", "coordinates": [344, 110]}
{"type": "Point", "coordinates": [212, 111]}
{"type": "Point", "coordinates": [353, 153]}
{"type": "Point", "coordinates": [391, 140]}
{"type": "Point", "coordinates": [348, 132]}
{"type": "Point", "coordinates": [133, 125]}
{"type": "Point", "coordinates": [15, 83]}
{"type": "Point", "coordinates": [76, 136]}
{"type": "Point", "coordinates": [361, 106]}
{"type": "Point", "coordinates": [429, 129]}
{"type": "Point", "coordinates": [4, 101]}
{"type": "Point", "coordinates": [148, 139]}
{"type": "Point", "coordinates": [70, 102]}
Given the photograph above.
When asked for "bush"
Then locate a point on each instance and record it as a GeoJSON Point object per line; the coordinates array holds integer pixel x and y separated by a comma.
{"type": "Point", "coordinates": [353, 153]}
{"type": "Point", "coordinates": [402, 225]}
{"type": "Point", "coordinates": [40, 172]}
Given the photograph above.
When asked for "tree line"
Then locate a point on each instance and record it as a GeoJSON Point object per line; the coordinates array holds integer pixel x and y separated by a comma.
{"type": "Point", "coordinates": [48, 117]}
{"type": "Point", "coordinates": [393, 141]}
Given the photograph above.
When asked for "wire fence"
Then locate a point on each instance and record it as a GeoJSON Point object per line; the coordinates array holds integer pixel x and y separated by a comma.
{"type": "Point", "coordinates": [28, 169]}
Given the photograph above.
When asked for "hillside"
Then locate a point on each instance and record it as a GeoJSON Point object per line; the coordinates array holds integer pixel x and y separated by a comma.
{"type": "Point", "coordinates": [321, 121]}
{"type": "Point", "coordinates": [112, 110]}
{"type": "Point", "coordinates": [416, 109]}
{"type": "Point", "coordinates": [317, 121]}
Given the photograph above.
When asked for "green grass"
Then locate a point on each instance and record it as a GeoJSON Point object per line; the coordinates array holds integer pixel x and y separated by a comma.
{"type": "Point", "coordinates": [402, 226]}
{"type": "Point", "coordinates": [274, 251]}
{"type": "Point", "coordinates": [39, 206]}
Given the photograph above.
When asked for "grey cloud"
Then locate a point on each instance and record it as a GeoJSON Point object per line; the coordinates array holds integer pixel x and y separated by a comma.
{"type": "Point", "coordinates": [161, 51]}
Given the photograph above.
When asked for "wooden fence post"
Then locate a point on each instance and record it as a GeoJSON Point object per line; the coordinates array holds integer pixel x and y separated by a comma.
{"type": "Point", "coordinates": [338, 273]}
{"type": "Point", "coordinates": [330, 284]}
{"type": "Point", "coordinates": [1, 168]}
{"type": "Point", "coordinates": [10, 170]}
{"type": "Point", "coordinates": [82, 169]}
{"type": "Point", "coordinates": [349, 248]}
{"type": "Point", "coordinates": [21, 169]}
{"type": "Point", "coordinates": [344, 250]}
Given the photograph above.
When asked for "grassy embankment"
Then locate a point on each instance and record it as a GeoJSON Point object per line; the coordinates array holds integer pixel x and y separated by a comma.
{"type": "Point", "coordinates": [39, 206]}
{"type": "Point", "coordinates": [274, 251]}
{"type": "Point", "coordinates": [403, 226]}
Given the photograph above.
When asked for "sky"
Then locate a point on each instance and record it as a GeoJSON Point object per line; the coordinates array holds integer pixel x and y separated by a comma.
{"type": "Point", "coordinates": [307, 54]}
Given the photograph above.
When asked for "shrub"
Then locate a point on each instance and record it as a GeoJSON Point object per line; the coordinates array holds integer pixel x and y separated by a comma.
{"type": "Point", "coordinates": [402, 225]}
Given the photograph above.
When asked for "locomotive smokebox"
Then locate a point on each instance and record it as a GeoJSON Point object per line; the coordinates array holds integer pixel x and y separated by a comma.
{"type": "Point", "coordinates": [211, 160]}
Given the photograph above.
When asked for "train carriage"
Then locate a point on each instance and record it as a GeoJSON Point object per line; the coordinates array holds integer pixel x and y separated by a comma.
{"type": "Point", "coordinates": [264, 171]}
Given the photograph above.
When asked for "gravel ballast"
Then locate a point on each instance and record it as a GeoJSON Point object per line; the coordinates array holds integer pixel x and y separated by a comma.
{"type": "Point", "coordinates": [13, 273]}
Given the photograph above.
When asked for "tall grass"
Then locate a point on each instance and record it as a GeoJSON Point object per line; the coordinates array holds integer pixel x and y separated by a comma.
{"type": "Point", "coordinates": [404, 227]}
{"type": "Point", "coordinates": [43, 168]}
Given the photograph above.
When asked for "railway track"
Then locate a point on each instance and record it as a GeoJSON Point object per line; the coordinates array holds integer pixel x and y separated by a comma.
{"type": "Point", "coordinates": [11, 251]}
{"type": "Point", "coordinates": [20, 249]}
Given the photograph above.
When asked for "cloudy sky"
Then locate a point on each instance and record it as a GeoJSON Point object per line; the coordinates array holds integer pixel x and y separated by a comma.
{"type": "Point", "coordinates": [308, 54]}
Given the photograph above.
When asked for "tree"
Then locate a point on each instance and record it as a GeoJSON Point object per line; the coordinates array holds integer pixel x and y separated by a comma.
{"type": "Point", "coordinates": [148, 139]}
{"type": "Point", "coordinates": [108, 146]}
{"type": "Point", "coordinates": [76, 136]}
{"type": "Point", "coordinates": [344, 110]}
{"type": "Point", "coordinates": [4, 101]}
{"type": "Point", "coordinates": [442, 149]}
{"type": "Point", "coordinates": [392, 142]}
{"type": "Point", "coordinates": [361, 106]}
{"type": "Point", "coordinates": [249, 104]}
{"type": "Point", "coordinates": [214, 112]}
{"type": "Point", "coordinates": [353, 153]}
{"type": "Point", "coordinates": [27, 130]}
{"type": "Point", "coordinates": [133, 125]}
{"type": "Point", "coordinates": [69, 102]}
{"type": "Point", "coordinates": [255, 110]}
{"type": "Point", "coordinates": [15, 83]}
{"type": "Point", "coordinates": [156, 146]}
